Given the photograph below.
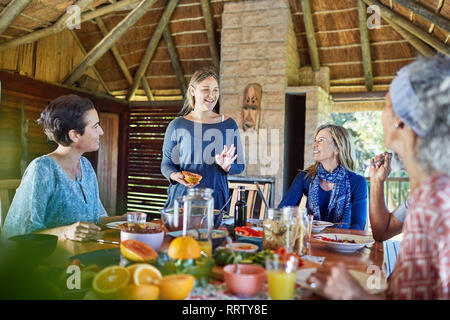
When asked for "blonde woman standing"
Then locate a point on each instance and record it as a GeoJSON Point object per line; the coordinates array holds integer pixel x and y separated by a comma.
{"type": "Point", "coordinates": [201, 141]}
{"type": "Point", "coordinates": [335, 193]}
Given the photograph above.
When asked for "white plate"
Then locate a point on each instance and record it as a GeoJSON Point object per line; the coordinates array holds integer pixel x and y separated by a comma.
{"type": "Point", "coordinates": [115, 224]}
{"type": "Point", "coordinates": [318, 225]}
{"type": "Point", "coordinates": [360, 241]}
{"type": "Point", "coordinates": [235, 246]}
{"type": "Point", "coordinates": [367, 283]}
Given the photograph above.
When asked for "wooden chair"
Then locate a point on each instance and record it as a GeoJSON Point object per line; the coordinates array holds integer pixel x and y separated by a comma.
{"type": "Point", "coordinates": [251, 197]}
{"type": "Point", "coordinates": [5, 199]}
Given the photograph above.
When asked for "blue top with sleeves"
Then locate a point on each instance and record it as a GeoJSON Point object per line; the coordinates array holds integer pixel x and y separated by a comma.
{"type": "Point", "coordinates": [358, 201]}
{"type": "Point", "coordinates": [192, 146]}
{"type": "Point", "coordinates": [48, 198]}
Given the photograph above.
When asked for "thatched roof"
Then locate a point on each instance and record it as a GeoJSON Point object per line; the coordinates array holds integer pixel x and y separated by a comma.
{"type": "Point", "coordinates": [335, 26]}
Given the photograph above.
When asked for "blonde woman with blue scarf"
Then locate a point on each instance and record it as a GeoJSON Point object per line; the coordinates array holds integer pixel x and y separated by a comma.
{"type": "Point", "coordinates": [334, 192]}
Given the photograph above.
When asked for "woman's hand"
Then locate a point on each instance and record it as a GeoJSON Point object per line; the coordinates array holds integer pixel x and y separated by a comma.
{"type": "Point", "coordinates": [81, 231]}
{"type": "Point", "coordinates": [225, 159]}
{"type": "Point", "coordinates": [337, 283]}
{"type": "Point", "coordinates": [380, 172]}
{"type": "Point", "coordinates": [179, 177]}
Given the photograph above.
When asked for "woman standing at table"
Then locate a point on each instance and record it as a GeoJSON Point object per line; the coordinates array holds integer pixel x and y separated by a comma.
{"type": "Point", "coordinates": [201, 141]}
{"type": "Point", "coordinates": [335, 193]}
{"type": "Point", "coordinates": [59, 193]}
{"type": "Point", "coordinates": [416, 124]}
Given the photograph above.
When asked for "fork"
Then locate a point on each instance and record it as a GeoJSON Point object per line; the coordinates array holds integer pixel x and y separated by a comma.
{"type": "Point", "coordinates": [364, 166]}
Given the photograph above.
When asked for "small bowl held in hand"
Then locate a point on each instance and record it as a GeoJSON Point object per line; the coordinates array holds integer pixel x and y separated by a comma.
{"type": "Point", "coordinates": [248, 282]}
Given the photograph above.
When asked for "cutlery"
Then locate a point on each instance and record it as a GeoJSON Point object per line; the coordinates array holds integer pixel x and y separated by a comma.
{"type": "Point", "coordinates": [225, 205]}
{"type": "Point", "coordinates": [261, 194]}
{"type": "Point", "coordinates": [364, 166]}
{"type": "Point", "coordinates": [106, 241]}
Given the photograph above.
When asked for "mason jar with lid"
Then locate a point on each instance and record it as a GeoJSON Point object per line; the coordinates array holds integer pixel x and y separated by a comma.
{"type": "Point", "coordinates": [278, 230]}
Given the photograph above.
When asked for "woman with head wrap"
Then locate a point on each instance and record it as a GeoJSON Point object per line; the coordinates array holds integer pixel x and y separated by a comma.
{"type": "Point", "coordinates": [416, 122]}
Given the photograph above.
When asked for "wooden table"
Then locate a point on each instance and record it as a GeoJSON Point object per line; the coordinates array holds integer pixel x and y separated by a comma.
{"type": "Point", "coordinates": [360, 260]}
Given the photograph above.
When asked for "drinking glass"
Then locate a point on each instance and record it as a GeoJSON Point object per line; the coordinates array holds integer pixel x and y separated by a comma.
{"type": "Point", "coordinates": [281, 277]}
{"type": "Point", "coordinates": [136, 218]}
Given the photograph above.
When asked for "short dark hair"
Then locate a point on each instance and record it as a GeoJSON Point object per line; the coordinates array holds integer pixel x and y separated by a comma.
{"type": "Point", "coordinates": [63, 114]}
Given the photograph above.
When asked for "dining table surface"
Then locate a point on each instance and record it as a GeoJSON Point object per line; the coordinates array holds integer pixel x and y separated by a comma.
{"type": "Point", "coordinates": [363, 260]}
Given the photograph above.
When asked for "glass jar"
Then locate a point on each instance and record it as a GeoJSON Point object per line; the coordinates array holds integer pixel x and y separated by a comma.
{"type": "Point", "coordinates": [301, 229]}
{"type": "Point", "coordinates": [278, 230]}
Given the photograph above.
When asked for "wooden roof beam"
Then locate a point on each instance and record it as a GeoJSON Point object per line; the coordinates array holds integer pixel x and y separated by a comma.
{"type": "Point", "coordinates": [122, 65]}
{"type": "Point", "coordinates": [58, 26]}
{"type": "Point", "coordinates": [211, 33]}
{"type": "Point", "coordinates": [107, 42]}
{"type": "Point", "coordinates": [388, 14]}
{"type": "Point", "coordinates": [365, 45]}
{"type": "Point", "coordinates": [310, 35]}
{"type": "Point", "coordinates": [151, 48]}
{"type": "Point", "coordinates": [10, 13]}
{"type": "Point", "coordinates": [175, 62]}
{"type": "Point", "coordinates": [83, 50]}
{"type": "Point", "coordinates": [426, 13]}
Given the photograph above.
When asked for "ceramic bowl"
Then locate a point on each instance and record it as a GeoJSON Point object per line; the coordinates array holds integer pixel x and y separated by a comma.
{"type": "Point", "coordinates": [37, 245]}
{"type": "Point", "coordinates": [248, 282]}
{"type": "Point", "coordinates": [154, 240]}
{"type": "Point", "coordinates": [243, 247]}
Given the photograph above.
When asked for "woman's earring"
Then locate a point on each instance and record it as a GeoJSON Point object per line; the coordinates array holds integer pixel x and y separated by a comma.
{"type": "Point", "coordinates": [396, 126]}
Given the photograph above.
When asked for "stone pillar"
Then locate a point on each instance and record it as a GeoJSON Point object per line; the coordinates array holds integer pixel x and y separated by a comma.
{"type": "Point", "coordinates": [258, 44]}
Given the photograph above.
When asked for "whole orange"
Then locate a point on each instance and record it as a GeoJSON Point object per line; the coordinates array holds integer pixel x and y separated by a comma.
{"type": "Point", "coordinates": [184, 248]}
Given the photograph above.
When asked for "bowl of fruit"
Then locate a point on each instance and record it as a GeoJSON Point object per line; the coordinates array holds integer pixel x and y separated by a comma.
{"type": "Point", "coordinates": [151, 234]}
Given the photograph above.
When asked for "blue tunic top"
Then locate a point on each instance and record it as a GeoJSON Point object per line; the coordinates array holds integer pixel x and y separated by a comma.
{"type": "Point", "coordinates": [358, 201]}
{"type": "Point", "coordinates": [48, 198]}
{"type": "Point", "coordinates": [192, 146]}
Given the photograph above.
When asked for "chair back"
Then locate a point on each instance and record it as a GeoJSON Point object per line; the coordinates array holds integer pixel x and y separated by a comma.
{"type": "Point", "coordinates": [251, 197]}
{"type": "Point", "coordinates": [5, 198]}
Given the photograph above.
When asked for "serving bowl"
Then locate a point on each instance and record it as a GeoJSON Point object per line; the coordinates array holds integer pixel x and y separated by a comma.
{"type": "Point", "coordinates": [154, 240]}
{"type": "Point", "coordinates": [39, 246]}
{"type": "Point", "coordinates": [248, 282]}
{"type": "Point", "coordinates": [168, 218]}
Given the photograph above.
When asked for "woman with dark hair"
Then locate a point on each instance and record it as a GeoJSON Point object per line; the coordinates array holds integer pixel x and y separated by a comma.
{"type": "Point", "coordinates": [59, 193]}
{"type": "Point", "coordinates": [416, 125]}
{"type": "Point", "coordinates": [335, 193]}
{"type": "Point", "coordinates": [201, 141]}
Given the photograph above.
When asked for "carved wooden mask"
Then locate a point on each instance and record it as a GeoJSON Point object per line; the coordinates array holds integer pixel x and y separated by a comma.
{"type": "Point", "coordinates": [251, 106]}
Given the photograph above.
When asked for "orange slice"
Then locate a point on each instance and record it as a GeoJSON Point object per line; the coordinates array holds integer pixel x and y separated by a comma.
{"type": "Point", "coordinates": [141, 292]}
{"type": "Point", "coordinates": [184, 248]}
{"type": "Point", "coordinates": [176, 286]}
{"type": "Point", "coordinates": [146, 274]}
{"type": "Point", "coordinates": [109, 280]}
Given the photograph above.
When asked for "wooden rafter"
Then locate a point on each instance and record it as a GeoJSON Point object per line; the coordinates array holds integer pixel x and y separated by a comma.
{"type": "Point", "coordinates": [409, 26]}
{"type": "Point", "coordinates": [210, 33]}
{"type": "Point", "coordinates": [107, 42]}
{"type": "Point", "coordinates": [175, 62]}
{"type": "Point", "coordinates": [10, 13]}
{"type": "Point", "coordinates": [365, 45]}
{"type": "Point", "coordinates": [437, 10]}
{"type": "Point", "coordinates": [122, 65]}
{"type": "Point", "coordinates": [426, 13]}
{"type": "Point", "coordinates": [151, 48]}
{"type": "Point", "coordinates": [418, 44]}
{"type": "Point", "coordinates": [83, 50]}
{"type": "Point", "coordinates": [310, 35]}
{"type": "Point", "coordinates": [61, 23]}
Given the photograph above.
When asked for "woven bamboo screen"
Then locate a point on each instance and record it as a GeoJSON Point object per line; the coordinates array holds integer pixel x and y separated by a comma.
{"type": "Point", "coordinates": [147, 187]}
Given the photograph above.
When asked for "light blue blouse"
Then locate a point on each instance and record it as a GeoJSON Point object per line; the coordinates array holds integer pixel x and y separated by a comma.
{"type": "Point", "coordinates": [48, 198]}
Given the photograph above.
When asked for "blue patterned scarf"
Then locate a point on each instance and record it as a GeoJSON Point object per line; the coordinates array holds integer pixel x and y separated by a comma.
{"type": "Point", "coordinates": [338, 208]}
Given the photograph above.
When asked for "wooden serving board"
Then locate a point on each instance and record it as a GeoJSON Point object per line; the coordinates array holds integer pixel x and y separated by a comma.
{"type": "Point", "coordinates": [217, 271]}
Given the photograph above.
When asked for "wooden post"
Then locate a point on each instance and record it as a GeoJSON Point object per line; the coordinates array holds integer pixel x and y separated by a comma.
{"type": "Point", "coordinates": [310, 35]}
{"type": "Point", "coordinates": [175, 62]}
{"type": "Point", "coordinates": [386, 13]}
{"type": "Point", "coordinates": [56, 27]}
{"type": "Point", "coordinates": [426, 13]}
{"type": "Point", "coordinates": [210, 32]}
{"type": "Point", "coordinates": [151, 48]}
{"type": "Point", "coordinates": [122, 65]}
{"type": "Point", "coordinates": [365, 45]}
{"type": "Point", "coordinates": [107, 42]}
{"type": "Point", "coordinates": [10, 13]}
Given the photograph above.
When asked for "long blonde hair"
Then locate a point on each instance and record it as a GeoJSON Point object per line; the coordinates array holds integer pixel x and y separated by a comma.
{"type": "Point", "coordinates": [196, 78]}
{"type": "Point", "coordinates": [343, 142]}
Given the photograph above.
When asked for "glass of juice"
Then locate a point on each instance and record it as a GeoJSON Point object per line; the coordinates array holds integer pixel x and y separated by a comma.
{"type": "Point", "coordinates": [281, 277]}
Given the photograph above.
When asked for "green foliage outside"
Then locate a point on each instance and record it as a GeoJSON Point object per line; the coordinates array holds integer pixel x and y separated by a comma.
{"type": "Point", "coordinates": [367, 132]}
